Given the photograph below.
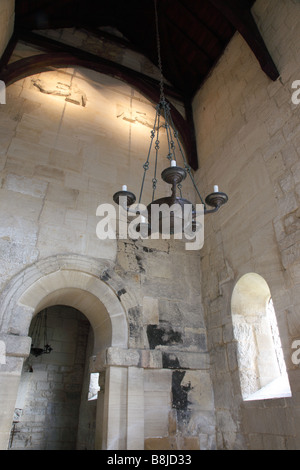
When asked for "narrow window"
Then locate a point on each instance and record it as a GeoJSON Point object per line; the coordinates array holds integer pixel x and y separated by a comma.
{"type": "Point", "coordinates": [260, 357]}
{"type": "Point", "coordinates": [94, 386]}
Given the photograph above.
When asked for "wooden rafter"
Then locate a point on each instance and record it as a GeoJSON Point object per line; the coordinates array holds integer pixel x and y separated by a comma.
{"type": "Point", "coordinates": [239, 14]}
{"type": "Point", "coordinates": [9, 50]}
{"type": "Point", "coordinates": [214, 20]}
{"type": "Point", "coordinates": [61, 55]}
{"type": "Point", "coordinates": [50, 45]}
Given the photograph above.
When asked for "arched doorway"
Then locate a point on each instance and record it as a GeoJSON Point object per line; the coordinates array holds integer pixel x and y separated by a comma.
{"type": "Point", "coordinates": [52, 408]}
{"type": "Point", "coordinates": [63, 284]}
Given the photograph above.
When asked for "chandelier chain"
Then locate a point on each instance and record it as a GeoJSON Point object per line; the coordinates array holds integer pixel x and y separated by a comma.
{"type": "Point", "coordinates": [154, 180]}
{"type": "Point", "coordinates": [173, 174]}
{"type": "Point", "coordinates": [147, 163]}
{"type": "Point", "coordinates": [162, 94]}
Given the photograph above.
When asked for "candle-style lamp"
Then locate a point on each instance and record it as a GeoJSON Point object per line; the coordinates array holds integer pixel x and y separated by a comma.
{"type": "Point", "coordinates": [124, 194]}
{"type": "Point", "coordinates": [216, 200]}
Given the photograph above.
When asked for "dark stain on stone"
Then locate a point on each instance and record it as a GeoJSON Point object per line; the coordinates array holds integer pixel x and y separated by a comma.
{"type": "Point", "coordinates": [148, 250]}
{"type": "Point", "coordinates": [120, 293]}
{"type": "Point", "coordinates": [105, 276]}
{"type": "Point", "coordinates": [139, 260]}
{"type": "Point", "coordinates": [162, 335]}
{"type": "Point", "coordinates": [136, 325]}
{"type": "Point", "coordinates": [180, 392]}
{"type": "Point", "coordinates": [170, 361]}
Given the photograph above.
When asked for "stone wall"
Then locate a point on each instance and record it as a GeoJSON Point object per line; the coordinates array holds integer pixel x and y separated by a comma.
{"type": "Point", "coordinates": [248, 143]}
{"type": "Point", "coordinates": [69, 141]}
{"type": "Point", "coordinates": [7, 17]}
{"type": "Point", "coordinates": [70, 138]}
{"type": "Point", "coordinates": [179, 402]}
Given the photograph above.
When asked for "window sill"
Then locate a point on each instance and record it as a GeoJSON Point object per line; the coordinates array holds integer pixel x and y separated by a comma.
{"type": "Point", "coordinates": [279, 388]}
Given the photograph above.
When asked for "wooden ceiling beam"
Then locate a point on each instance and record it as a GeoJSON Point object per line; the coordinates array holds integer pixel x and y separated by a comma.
{"type": "Point", "coordinates": [188, 36]}
{"type": "Point", "coordinates": [149, 88]}
{"type": "Point", "coordinates": [51, 45]}
{"type": "Point", "coordinates": [208, 30]}
{"type": "Point", "coordinates": [42, 15]}
{"type": "Point", "coordinates": [171, 68]}
{"type": "Point", "coordinates": [4, 59]}
{"type": "Point", "coordinates": [239, 14]}
{"type": "Point", "coordinates": [190, 40]}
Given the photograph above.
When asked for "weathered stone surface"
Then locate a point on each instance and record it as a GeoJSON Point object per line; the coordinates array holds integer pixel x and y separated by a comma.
{"type": "Point", "coordinates": [258, 231]}
{"type": "Point", "coordinates": [66, 146]}
{"type": "Point", "coordinates": [17, 346]}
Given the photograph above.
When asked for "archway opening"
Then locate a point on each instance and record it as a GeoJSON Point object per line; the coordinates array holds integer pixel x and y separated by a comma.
{"type": "Point", "coordinates": [52, 409]}
{"type": "Point", "coordinates": [261, 362]}
{"type": "Point", "coordinates": [97, 301]}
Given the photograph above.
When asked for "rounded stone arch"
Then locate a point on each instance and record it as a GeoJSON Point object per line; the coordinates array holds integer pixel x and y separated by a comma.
{"type": "Point", "coordinates": [89, 295]}
{"type": "Point", "coordinates": [90, 286]}
{"type": "Point", "coordinates": [250, 294]}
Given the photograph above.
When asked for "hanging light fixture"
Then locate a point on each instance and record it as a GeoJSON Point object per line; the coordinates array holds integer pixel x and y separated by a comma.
{"type": "Point", "coordinates": [39, 344]}
{"type": "Point", "coordinates": [173, 175]}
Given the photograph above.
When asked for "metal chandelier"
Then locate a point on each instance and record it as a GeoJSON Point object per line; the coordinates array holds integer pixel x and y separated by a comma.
{"type": "Point", "coordinates": [174, 174]}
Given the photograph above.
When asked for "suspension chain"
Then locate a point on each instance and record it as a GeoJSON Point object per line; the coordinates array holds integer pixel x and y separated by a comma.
{"type": "Point", "coordinates": [162, 94]}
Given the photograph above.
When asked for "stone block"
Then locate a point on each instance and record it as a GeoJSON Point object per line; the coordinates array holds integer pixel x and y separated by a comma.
{"type": "Point", "coordinates": [151, 359]}
{"type": "Point", "coordinates": [273, 421]}
{"type": "Point", "coordinates": [48, 173]}
{"type": "Point", "coordinates": [290, 255]}
{"type": "Point", "coordinates": [160, 443]}
{"type": "Point", "coordinates": [150, 311]}
{"type": "Point", "coordinates": [27, 151]}
{"type": "Point", "coordinates": [24, 185]}
{"type": "Point", "coordinates": [63, 196]}
{"type": "Point", "coordinates": [189, 443]}
{"type": "Point", "coordinates": [122, 357]}
{"type": "Point", "coordinates": [16, 205]}
{"type": "Point", "coordinates": [17, 346]}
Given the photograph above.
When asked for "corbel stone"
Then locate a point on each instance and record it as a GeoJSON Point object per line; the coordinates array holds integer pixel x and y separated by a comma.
{"type": "Point", "coordinates": [17, 346]}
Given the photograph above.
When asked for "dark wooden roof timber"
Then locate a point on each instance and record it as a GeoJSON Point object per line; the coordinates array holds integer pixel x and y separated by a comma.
{"type": "Point", "coordinates": [193, 36]}
{"type": "Point", "coordinates": [194, 33]}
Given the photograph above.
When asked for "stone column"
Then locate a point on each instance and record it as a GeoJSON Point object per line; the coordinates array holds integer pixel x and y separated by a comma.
{"type": "Point", "coordinates": [135, 409]}
{"type": "Point", "coordinates": [14, 350]}
{"type": "Point", "coordinates": [120, 406]}
{"type": "Point", "coordinates": [100, 413]}
{"type": "Point", "coordinates": [115, 415]}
